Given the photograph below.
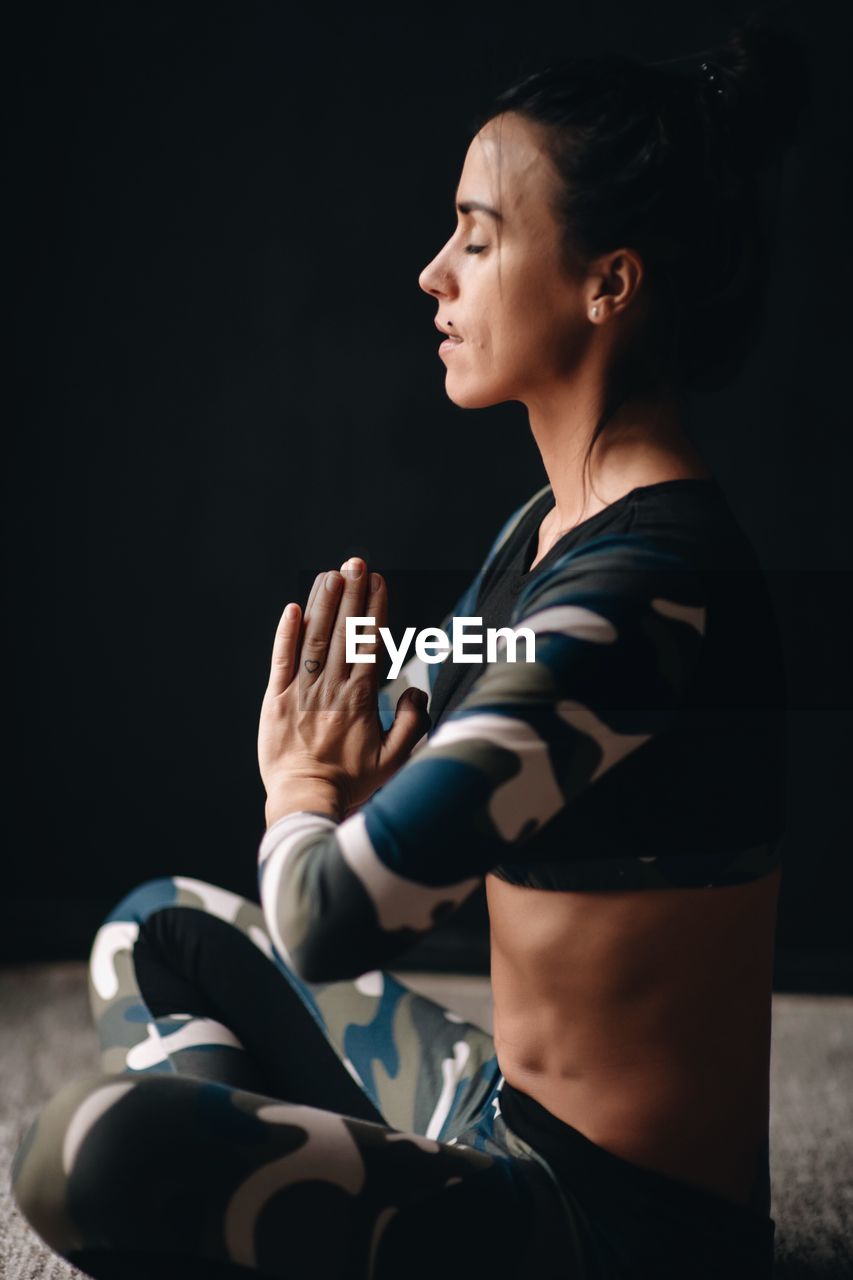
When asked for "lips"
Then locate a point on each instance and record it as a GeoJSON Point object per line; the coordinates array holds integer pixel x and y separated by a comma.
{"type": "Point", "coordinates": [449, 344]}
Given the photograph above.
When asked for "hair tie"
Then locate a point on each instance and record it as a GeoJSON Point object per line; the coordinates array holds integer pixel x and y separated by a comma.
{"type": "Point", "coordinates": [711, 78]}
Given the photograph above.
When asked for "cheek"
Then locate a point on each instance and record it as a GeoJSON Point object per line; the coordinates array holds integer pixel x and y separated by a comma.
{"type": "Point", "coordinates": [518, 326]}
{"type": "Point", "coordinates": [527, 310]}
{"type": "Point", "coordinates": [530, 337]}
{"type": "Point", "coordinates": [553, 329]}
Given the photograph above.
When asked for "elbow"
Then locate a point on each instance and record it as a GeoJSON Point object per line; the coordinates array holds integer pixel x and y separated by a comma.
{"type": "Point", "coordinates": [333, 952]}
{"type": "Point", "coordinates": [300, 936]}
{"type": "Point", "coordinates": [323, 965]}
{"type": "Point", "coordinates": [321, 920]}
{"type": "Point", "coordinates": [311, 956]}
{"type": "Point", "coordinates": [320, 967]}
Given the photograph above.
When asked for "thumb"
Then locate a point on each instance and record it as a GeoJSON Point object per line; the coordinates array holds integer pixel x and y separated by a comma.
{"type": "Point", "coordinates": [411, 722]}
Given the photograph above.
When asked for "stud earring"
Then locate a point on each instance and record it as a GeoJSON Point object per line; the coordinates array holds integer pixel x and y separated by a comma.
{"type": "Point", "coordinates": [595, 310]}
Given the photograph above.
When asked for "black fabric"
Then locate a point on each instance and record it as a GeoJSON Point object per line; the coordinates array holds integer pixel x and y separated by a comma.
{"type": "Point", "coordinates": [190, 961]}
{"type": "Point", "coordinates": [510, 570]}
{"type": "Point", "coordinates": [498, 590]}
{"type": "Point", "coordinates": [642, 1212]}
{"type": "Point", "coordinates": [723, 813]}
{"type": "Point", "coordinates": [123, 1264]}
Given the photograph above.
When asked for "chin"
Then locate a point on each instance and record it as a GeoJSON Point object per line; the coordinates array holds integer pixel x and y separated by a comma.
{"type": "Point", "coordinates": [473, 396]}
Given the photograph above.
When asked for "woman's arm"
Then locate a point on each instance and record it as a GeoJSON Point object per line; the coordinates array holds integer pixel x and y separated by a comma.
{"type": "Point", "coordinates": [423, 675]}
{"type": "Point", "coordinates": [618, 630]}
{"type": "Point", "coordinates": [414, 674]}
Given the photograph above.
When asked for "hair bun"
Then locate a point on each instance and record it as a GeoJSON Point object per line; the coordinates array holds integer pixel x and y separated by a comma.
{"type": "Point", "coordinates": [754, 88]}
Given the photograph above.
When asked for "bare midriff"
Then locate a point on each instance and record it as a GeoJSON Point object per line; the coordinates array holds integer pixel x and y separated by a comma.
{"type": "Point", "coordinates": [642, 1019]}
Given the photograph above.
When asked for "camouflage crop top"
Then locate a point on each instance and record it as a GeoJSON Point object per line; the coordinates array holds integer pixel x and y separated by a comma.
{"type": "Point", "coordinates": [644, 747]}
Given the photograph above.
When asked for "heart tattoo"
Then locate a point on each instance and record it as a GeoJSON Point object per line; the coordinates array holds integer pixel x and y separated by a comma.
{"type": "Point", "coordinates": [311, 664]}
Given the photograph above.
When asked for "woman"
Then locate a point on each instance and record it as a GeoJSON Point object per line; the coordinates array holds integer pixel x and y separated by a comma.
{"type": "Point", "coordinates": [275, 1102]}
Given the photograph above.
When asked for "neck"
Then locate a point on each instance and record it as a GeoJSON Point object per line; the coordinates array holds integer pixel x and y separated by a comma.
{"type": "Point", "coordinates": [643, 440]}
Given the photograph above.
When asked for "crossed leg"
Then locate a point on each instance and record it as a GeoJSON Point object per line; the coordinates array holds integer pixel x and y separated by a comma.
{"type": "Point", "coordinates": [269, 1126]}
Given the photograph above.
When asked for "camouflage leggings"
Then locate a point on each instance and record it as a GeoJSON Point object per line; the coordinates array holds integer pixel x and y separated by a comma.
{"type": "Point", "coordinates": [272, 1127]}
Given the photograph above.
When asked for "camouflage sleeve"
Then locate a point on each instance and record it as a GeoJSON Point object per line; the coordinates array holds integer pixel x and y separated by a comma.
{"type": "Point", "coordinates": [423, 675]}
{"type": "Point", "coordinates": [617, 628]}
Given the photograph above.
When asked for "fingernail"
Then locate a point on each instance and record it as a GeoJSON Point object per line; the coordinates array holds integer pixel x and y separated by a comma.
{"type": "Point", "coordinates": [375, 582]}
{"type": "Point", "coordinates": [331, 580]}
{"type": "Point", "coordinates": [291, 611]}
{"type": "Point", "coordinates": [353, 568]}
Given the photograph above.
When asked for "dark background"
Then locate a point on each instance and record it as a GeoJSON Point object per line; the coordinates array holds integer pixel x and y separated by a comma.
{"type": "Point", "coordinates": [226, 379]}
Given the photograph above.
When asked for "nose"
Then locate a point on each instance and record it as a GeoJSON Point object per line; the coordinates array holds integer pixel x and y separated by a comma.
{"type": "Point", "coordinates": [435, 279]}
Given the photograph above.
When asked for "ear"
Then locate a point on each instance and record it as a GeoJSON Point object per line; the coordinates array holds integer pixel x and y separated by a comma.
{"type": "Point", "coordinates": [617, 277]}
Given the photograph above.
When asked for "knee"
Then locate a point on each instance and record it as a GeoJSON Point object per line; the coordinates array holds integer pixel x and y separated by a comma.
{"type": "Point", "coordinates": [120, 929]}
{"type": "Point", "coordinates": [63, 1161]}
{"type": "Point", "coordinates": [144, 899]}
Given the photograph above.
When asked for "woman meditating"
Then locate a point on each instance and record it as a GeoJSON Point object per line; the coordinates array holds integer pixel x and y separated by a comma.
{"type": "Point", "coordinates": [274, 1101]}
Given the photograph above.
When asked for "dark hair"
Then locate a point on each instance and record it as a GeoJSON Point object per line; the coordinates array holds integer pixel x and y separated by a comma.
{"type": "Point", "coordinates": [671, 163]}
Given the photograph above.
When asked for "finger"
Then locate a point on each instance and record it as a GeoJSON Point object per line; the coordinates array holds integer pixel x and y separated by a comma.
{"type": "Point", "coordinates": [306, 613]}
{"type": "Point", "coordinates": [284, 650]}
{"type": "Point", "coordinates": [318, 582]}
{"type": "Point", "coordinates": [411, 722]}
{"type": "Point", "coordinates": [314, 654]}
{"type": "Point", "coordinates": [376, 608]}
{"type": "Point", "coordinates": [351, 604]}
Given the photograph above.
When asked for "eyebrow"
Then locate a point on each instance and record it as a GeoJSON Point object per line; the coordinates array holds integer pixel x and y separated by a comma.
{"type": "Point", "coordinates": [466, 206]}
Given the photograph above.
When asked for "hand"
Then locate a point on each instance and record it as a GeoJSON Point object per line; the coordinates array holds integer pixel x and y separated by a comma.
{"type": "Point", "coordinates": [320, 719]}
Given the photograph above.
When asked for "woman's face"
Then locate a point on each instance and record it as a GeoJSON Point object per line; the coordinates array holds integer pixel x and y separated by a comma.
{"type": "Point", "coordinates": [499, 282]}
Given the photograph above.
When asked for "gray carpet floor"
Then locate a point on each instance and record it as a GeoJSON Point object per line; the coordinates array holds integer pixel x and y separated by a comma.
{"type": "Point", "coordinates": [46, 1038]}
